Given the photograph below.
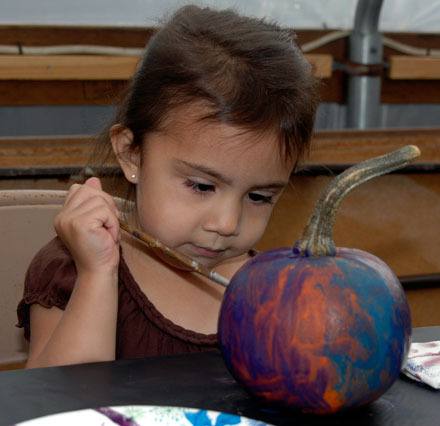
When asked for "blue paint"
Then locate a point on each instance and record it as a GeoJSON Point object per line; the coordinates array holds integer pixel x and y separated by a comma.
{"type": "Point", "coordinates": [375, 298]}
{"type": "Point", "coordinates": [200, 418]}
{"type": "Point", "coordinates": [259, 347]}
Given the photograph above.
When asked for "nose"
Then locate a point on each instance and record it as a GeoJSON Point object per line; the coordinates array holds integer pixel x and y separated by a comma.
{"type": "Point", "coordinates": [224, 219]}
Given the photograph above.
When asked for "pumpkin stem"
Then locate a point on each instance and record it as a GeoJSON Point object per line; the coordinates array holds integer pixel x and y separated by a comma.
{"type": "Point", "coordinates": [317, 237]}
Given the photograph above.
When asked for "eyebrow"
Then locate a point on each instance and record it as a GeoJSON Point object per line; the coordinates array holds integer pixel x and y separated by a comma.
{"type": "Point", "coordinates": [215, 174]}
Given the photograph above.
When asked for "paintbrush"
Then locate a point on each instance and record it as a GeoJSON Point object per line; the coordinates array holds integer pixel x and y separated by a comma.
{"type": "Point", "coordinates": [173, 257]}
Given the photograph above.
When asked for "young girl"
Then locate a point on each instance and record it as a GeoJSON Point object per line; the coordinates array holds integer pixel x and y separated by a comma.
{"type": "Point", "coordinates": [216, 117]}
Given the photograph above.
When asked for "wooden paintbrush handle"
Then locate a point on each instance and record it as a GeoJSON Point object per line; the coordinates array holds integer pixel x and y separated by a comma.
{"type": "Point", "coordinates": [175, 258]}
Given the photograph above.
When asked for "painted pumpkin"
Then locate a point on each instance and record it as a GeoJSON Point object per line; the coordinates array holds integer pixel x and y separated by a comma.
{"type": "Point", "coordinates": [315, 327]}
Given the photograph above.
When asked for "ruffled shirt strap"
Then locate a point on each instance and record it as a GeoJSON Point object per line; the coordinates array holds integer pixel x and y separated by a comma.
{"type": "Point", "coordinates": [49, 281]}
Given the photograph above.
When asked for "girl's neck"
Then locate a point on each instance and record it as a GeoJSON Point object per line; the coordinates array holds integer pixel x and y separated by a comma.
{"type": "Point", "coordinates": [185, 298]}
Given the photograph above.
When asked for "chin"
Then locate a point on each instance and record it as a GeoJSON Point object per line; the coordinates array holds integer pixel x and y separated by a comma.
{"type": "Point", "coordinates": [209, 263]}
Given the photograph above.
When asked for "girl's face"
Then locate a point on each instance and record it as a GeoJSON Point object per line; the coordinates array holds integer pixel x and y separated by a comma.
{"type": "Point", "coordinates": [208, 189]}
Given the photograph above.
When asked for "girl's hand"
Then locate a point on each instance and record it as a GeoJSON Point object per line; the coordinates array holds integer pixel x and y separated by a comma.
{"type": "Point", "coordinates": [89, 227]}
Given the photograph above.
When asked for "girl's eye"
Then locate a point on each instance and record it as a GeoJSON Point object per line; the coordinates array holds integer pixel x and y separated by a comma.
{"type": "Point", "coordinates": [199, 186]}
{"type": "Point", "coordinates": [260, 198]}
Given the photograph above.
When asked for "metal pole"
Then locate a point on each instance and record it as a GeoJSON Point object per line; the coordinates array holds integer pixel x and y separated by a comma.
{"type": "Point", "coordinates": [366, 48]}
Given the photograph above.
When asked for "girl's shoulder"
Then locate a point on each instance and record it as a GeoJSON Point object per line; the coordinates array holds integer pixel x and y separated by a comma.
{"type": "Point", "coordinates": [52, 259]}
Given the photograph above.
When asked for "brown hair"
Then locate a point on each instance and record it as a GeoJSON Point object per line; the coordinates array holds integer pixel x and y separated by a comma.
{"type": "Point", "coordinates": [249, 71]}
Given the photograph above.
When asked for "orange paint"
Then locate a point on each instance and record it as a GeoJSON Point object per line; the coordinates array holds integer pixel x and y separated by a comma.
{"type": "Point", "coordinates": [334, 399]}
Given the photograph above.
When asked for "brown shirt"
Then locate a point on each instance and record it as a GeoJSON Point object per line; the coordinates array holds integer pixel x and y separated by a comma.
{"type": "Point", "coordinates": [141, 329]}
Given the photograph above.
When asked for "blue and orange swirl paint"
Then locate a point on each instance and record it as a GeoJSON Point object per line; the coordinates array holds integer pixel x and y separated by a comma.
{"type": "Point", "coordinates": [318, 334]}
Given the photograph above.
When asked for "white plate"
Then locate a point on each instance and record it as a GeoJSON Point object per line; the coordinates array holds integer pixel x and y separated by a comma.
{"type": "Point", "coordinates": [142, 415]}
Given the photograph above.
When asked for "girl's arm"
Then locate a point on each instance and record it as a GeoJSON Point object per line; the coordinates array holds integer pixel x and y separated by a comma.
{"type": "Point", "coordinates": [86, 330]}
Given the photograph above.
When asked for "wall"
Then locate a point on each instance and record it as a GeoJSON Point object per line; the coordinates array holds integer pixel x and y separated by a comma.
{"type": "Point", "coordinates": [396, 15]}
{"type": "Point", "coordinates": [91, 119]}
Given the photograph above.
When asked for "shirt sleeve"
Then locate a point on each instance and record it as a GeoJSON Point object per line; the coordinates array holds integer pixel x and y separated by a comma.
{"type": "Point", "coordinates": [49, 281]}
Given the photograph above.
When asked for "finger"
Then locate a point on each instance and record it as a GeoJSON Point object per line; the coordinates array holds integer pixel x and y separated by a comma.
{"type": "Point", "coordinates": [81, 193]}
{"type": "Point", "coordinates": [94, 202]}
{"type": "Point", "coordinates": [71, 193]}
{"type": "Point", "coordinates": [88, 203]}
{"type": "Point", "coordinates": [93, 182]}
{"type": "Point", "coordinates": [93, 187]}
{"type": "Point", "coordinates": [97, 217]}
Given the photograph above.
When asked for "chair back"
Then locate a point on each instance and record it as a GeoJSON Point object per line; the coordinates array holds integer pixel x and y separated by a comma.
{"type": "Point", "coordinates": [26, 218]}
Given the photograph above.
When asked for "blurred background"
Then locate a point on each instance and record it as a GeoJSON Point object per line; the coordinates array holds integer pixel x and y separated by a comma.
{"type": "Point", "coordinates": [63, 65]}
{"type": "Point", "coordinates": [401, 104]}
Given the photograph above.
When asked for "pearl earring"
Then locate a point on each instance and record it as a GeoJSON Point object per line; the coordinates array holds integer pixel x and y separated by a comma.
{"type": "Point", "coordinates": [133, 176]}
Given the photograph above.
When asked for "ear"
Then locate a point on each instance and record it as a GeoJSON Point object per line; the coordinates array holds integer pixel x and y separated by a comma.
{"type": "Point", "coordinates": [127, 156]}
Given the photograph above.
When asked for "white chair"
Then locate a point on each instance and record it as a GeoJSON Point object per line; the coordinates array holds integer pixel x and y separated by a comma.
{"type": "Point", "coordinates": [26, 218]}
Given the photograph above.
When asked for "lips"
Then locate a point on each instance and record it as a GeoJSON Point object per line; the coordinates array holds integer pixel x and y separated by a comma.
{"type": "Point", "coordinates": [205, 252]}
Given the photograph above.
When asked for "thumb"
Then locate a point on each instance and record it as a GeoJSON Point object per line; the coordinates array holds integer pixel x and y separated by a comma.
{"type": "Point", "coordinates": [94, 182]}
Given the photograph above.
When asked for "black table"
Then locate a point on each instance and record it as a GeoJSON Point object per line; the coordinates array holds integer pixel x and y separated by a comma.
{"type": "Point", "coordinates": [199, 381]}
